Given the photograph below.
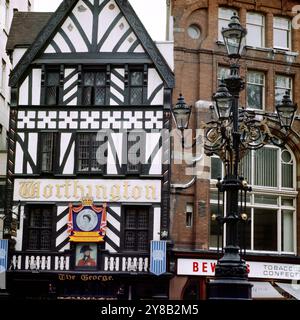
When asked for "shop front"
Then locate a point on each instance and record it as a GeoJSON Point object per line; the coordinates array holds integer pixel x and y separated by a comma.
{"type": "Point", "coordinates": [271, 277]}
{"type": "Point", "coordinates": [87, 286]}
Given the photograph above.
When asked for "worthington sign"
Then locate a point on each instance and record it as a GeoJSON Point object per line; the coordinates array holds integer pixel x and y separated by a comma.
{"type": "Point", "coordinates": [265, 270]}
{"type": "Point", "coordinates": [99, 190]}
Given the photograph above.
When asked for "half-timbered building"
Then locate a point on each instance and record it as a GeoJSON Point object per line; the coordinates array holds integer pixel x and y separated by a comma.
{"type": "Point", "coordinates": [91, 98]}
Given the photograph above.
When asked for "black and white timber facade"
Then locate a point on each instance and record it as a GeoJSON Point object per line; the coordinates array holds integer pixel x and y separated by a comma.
{"type": "Point", "coordinates": [92, 72]}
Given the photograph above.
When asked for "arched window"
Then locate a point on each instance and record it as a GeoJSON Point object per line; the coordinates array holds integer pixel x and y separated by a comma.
{"type": "Point", "coordinates": [271, 205]}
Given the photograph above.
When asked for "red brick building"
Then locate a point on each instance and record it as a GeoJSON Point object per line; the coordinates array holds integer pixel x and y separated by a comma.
{"type": "Point", "coordinates": [270, 65]}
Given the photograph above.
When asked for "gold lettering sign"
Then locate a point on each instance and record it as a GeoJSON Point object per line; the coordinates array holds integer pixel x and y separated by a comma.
{"type": "Point", "coordinates": [99, 190]}
{"type": "Point", "coordinates": [84, 277]}
{"type": "Point", "coordinates": [30, 189]}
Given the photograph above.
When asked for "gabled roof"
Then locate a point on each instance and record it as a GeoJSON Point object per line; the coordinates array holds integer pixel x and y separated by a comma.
{"type": "Point", "coordinates": [25, 27]}
{"type": "Point", "coordinates": [57, 19]}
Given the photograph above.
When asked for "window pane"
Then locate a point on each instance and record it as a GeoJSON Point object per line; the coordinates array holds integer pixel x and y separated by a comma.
{"type": "Point", "coordinates": [255, 36]}
{"type": "Point", "coordinates": [281, 39]}
{"type": "Point", "coordinates": [52, 79]}
{"type": "Point", "coordinates": [136, 95]}
{"type": "Point", "coordinates": [2, 194]}
{"type": "Point", "coordinates": [222, 24]}
{"type": "Point", "coordinates": [33, 240]}
{"type": "Point", "coordinates": [47, 218]}
{"type": "Point", "coordinates": [83, 152]}
{"type": "Point", "coordinates": [287, 202]}
{"type": "Point", "coordinates": [88, 79]}
{"type": "Point", "coordinates": [45, 240]}
{"type": "Point", "coordinates": [223, 73]}
{"type": "Point", "coordinates": [130, 240]}
{"type": "Point", "coordinates": [255, 96]}
{"type": "Point", "coordinates": [254, 18]}
{"type": "Point", "coordinates": [136, 78]}
{"type": "Point", "coordinates": [216, 168]}
{"type": "Point", "coordinates": [134, 152]}
{"type": "Point", "coordinates": [246, 167]}
{"type": "Point", "coordinates": [214, 228]}
{"type": "Point", "coordinates": [265, 230]}
{"type": "Point", "coordinates": [266, 167]}
{"type": "Point", "coordinates": [130, 219]}
{"type": "Point", "coordinates": [143, 218]}
{"type": "Point", "coordinates": [47, 145]}
{"type": "Point", "coordinates": [95, 165]}
{"type": "Point", "coordinates": [35, 218]}
{"type": "Point", "coordinates": [265, 199]}
{"type": "Point", "coordinates": [143, 242]}
{"type": "Point", "coordinates": [279, 93]}
{"type": "Point", "coordinates": [283, 82]}
{"type": "Point", "coordinates": [189, 219]}
{"type": "Point", "coordinates": [287, 231]}
{"type": "Point", "coordinates": [281, 23]}
{"type": "Point", "coordinates": [100, 79]}
{"type": "Point", "coordinates": [287, 175]}
{"type": "Point", "coordinates": [87, 96]}
{"type": "Point", "coordinates": [225, 15]}
{"type": "Point", "coordinates": [51, 95]}
{"type": "Point", "coordinates": [99, 96]}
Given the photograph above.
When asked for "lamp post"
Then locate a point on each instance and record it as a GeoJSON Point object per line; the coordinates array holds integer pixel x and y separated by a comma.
{"type": "Point", "coordinates": [232, 133]}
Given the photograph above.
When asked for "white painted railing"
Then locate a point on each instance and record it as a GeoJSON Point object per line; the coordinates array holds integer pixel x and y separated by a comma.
{"type": "Point", "coordinates": [38, 262]}
{"type": "Point", "coordinates": [126, 264]}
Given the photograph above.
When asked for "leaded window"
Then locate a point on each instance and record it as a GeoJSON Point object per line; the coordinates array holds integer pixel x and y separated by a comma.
{"type": "Point", "coordinates": [90, 157]}
{"type": "Point", "coordinates": [136, 81]}
{"type": "Point", "coordinates": [94, 88]}
{"type": "Point", "coordinates": [135, 146]}
{"type": "Point", "coordinates": [136, 229]}
{"type": "Point", "coordinates": [52, 88]}
{"type": "Point", "coordinates": [47, 145]}
{"type": "Point", "coordinates": [40, 231]}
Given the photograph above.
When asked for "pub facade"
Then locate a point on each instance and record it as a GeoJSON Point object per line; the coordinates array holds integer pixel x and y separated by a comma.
{"type": "Point", "coordinates": [88, 169]}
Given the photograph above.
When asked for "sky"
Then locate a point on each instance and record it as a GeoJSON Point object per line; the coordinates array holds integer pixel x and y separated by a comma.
{"type": "Point", "coordinates": [151, 12]}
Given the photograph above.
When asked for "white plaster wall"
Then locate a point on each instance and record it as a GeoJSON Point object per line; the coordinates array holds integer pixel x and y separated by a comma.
{"type": "Point", "coordinates": [167, 50]}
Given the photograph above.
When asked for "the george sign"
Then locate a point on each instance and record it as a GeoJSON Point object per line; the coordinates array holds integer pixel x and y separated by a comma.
{"type": "Point", "coordinates": [3, 263]}
{"type": "Point", "coordinates": [84, 277]}
{"type": "Point", "coordinates": [264, 270]}
{"type": "Point", "coordinates": [158, 257]}
{"type": "Point", "coordinates": [99, 190]}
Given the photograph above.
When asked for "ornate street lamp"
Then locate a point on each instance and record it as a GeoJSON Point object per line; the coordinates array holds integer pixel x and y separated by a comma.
{"type": "Point", "coordinates": [223, 102]}
{"type": "Point", "coordinates": [234, 37]}
{"type": "Point", "coordinates": [181, 113]}
{"type": "Point", "coordinates": [231, 135]}
{"type": "Point", "coordinates": [286, 111]}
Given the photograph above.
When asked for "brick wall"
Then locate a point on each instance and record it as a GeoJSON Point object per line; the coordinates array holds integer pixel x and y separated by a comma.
{"type": "Point", "coordinates": [196, 65]}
